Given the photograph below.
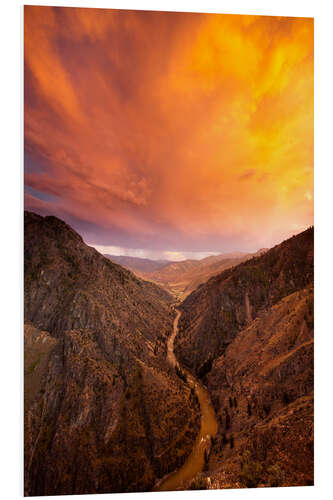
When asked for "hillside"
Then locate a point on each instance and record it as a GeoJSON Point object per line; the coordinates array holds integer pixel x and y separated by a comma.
{"type": "Point", "coordinates": [248, 333]}
{"type": "Point", "coordinates": [262, 390]}
{"type": "Point", "coordinates": [138, 264]}
{"type": "Point", "coordinates": [181, 278]}
{"type": "Point", "coordinates": [103, 410]}
{"type": "Point", "coordinates": [215, 312]}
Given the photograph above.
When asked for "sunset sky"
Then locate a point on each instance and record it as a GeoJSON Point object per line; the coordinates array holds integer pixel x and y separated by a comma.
{"type": "Point", "coordinates": [169, 134]}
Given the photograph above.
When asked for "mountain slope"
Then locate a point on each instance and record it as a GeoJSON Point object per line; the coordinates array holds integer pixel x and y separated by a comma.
{"type": "Point", "coordinates": [248, 333]}
{"type": "Point", "coordinates": [138, 264]}
{"type": "Point", "coordinates": [262, 389]}
{"type": "Point", "coordinates": [70, 285]}
{"type": "Point", "coordinates": [103, 410]}
{"type": "Point", "coordinates": [215, 265]}
{"type": "Point", "coordinates": [181, 278]}
{"type": "Point", "coordinates": [215, 312]}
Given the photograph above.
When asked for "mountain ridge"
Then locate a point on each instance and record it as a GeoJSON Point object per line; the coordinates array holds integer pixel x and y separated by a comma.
{"type": "Point", "coordinates": [96, 372]}
{"type": "Point", "coordinates": [138, 264]}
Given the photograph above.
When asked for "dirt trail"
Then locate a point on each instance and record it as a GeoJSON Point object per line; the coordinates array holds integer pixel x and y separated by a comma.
{"type": "Point", "coordinates": [195, 461]}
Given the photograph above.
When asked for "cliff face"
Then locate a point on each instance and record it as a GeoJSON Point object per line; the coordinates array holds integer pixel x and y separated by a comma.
{"type": "Point", "coordinates": [216, 311]}
{"type": "Point", "coordinates": [103, 410]}
{"type": "Point", "coordinates": [249, 334]}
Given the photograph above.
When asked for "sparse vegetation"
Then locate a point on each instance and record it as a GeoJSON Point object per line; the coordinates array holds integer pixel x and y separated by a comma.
{"type": "Point", "coordinates": [251, 471]}
{"type": "Point", "coordinates": [199, 483]}
{"type": "Point", "coordinates": [181, 374]}
{"type": "Point", "coordinates": [275, 476]}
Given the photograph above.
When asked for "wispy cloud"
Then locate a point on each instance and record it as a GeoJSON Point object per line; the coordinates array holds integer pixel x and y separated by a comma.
{"type": "Point", "coordinates": [247, 174]}
{"type": "Point", "coordinates": [140, 125]}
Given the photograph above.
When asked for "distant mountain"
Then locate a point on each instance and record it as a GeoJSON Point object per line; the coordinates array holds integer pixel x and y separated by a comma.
{"type": "Point", "coordinates": [103, 410]}
{"type": "Point", "coordinates": [248, 334]}
{"type": "Point", "coordinates": [138, 264]}
{"type": "Point", "coordinates": [183, 277]}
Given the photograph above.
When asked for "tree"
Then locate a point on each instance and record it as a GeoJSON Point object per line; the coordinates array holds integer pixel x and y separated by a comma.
{"type": "Point", "coordinates": [249, 411]}
{"type": "Point", "coordinates": [206, 456]}
{"type": "Point", "coordinates": [227, 421]}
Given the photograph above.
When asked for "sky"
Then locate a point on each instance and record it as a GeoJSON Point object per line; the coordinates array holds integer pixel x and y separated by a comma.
{"type": "Point", "coordinates": [169, 135]}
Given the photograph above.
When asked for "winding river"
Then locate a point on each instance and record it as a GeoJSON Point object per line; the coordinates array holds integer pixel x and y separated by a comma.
{"type": "Point", "coordinates": [195, 461]}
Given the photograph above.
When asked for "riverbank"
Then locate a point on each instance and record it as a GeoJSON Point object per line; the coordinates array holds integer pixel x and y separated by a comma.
{"type": "Point", "coordinates": [195, 462]}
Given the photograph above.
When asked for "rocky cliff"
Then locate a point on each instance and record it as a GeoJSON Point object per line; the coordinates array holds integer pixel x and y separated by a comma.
{"type": "Point", "coordinates": [103, 410]}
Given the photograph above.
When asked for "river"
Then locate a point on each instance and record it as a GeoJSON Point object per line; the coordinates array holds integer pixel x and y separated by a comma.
{"type": "Point", "coordinates": [195, 461]}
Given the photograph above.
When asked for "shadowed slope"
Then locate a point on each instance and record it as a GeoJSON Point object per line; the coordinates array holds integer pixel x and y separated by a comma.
{"type": "Point", "coordinates": [103, 411]}
{"type": "Point", "coordinates": [215, 312]}
{"type": "Point", "coordinates": [262, 389]}
{"type": "Point", "coordinates": [249, 334]}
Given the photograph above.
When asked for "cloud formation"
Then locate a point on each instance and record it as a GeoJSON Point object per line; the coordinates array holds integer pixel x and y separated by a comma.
{"type": "Point", "coordinates": [169, 131]}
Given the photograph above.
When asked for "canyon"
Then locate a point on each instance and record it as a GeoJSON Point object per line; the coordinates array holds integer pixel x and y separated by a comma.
{"type": "Point", "coordinates": [191, 375]}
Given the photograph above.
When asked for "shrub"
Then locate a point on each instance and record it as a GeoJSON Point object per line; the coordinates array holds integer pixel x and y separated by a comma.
{"type": "Point", "coordinates": [285, 398]}
{"type": "Point", "coordinates": [206, 456]}
{"type": "Point", "coordinates": [266, 409]}
{"type": "Point", "coordinates": [251, 472]}
{"type": "Point", "coordinates": [181, 374]}
{"type": "Point", "coordinates": [198, 483]}
{"type": "Point", "coordinates": [227, 421]}
{"type": "Point", "coordinates": [275, 476]}
{"type": "Point", "coordinates": [224, 439]}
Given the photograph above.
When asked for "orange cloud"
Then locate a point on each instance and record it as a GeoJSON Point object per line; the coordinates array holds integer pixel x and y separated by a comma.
{"type": "Point", "coordinates": [170, 130]}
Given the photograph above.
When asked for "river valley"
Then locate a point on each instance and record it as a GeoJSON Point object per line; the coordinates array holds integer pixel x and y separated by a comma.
{"type": "Point", "coordinates": [195, 461]}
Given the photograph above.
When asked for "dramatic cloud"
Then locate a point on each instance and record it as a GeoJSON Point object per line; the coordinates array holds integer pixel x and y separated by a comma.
{"type": "Point", "coordinates": [169, 132]}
